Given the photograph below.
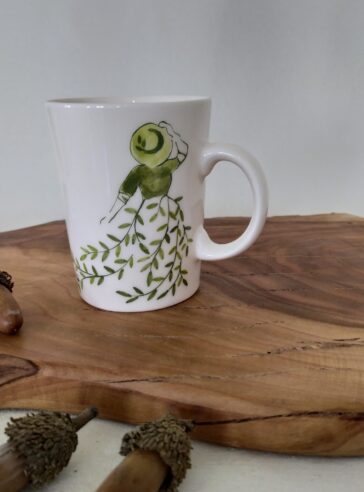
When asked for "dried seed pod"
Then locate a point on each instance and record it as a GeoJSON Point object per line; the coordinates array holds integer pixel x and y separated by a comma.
{"type": "Point", "coordinates": [40, 445]}
{"type": "Point", "coordinates": [157, 458]}
{"type": "Point", "coordinates": [11, 318]}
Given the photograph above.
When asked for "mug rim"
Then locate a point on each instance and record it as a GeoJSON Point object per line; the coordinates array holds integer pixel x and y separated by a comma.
{"type": "Point", "coordinates": [117, 102]}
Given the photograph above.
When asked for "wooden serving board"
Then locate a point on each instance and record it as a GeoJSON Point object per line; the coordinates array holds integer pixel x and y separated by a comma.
{"type": "Point", "coordinates": [268, 355]}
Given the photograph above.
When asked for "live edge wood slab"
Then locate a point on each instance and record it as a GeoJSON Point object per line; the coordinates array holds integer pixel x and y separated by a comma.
{"type": "Point", "coordinates": [268, 355]}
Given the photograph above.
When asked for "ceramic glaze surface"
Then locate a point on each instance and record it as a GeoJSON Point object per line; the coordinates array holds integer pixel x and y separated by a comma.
{"type": "Point", "coordinates": [133, 179]}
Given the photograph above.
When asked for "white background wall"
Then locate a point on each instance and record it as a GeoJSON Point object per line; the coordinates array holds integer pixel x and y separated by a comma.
{"type": "Point", "coordinates": [286, 78]}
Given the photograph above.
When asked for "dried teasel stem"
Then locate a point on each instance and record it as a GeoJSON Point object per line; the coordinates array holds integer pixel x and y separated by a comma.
{"type": "Point", "coordinates": [157, 458]}
{"type": "Point", "coordinates": [11, 318]}
{"type": "Point", "coordinates": [40, 445]}
{"type": "Point", "coordinates": [84, 417]}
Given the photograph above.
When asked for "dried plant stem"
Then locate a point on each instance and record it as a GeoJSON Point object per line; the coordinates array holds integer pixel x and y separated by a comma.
{"type": "Point", "coordinates": [140, 471]}
{"type": "Point", "coordinates": [81, 419]}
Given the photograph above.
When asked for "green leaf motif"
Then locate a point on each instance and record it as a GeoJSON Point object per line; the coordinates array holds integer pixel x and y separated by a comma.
{"type": "Point", "coordinates": [105, 255]}
{"type": "Point", "coordinates": [120, 261]}
{"type": "Point", "coordinates": [163, 294]}
{"type": "Point", "coordinates": [144, 248]}
{"type": "Point", "coordinates": [132, 299]}
{"type": "Point", "coordinates": [113, 238]}
{"type": "Point", "coordinates": [103, 245]}
{"type": "Point", "coordinates": [149, 278]}
{"type": "Point", "coordinates": [152, 294]}
{"type": "Point", "coordinates": [145, 267]}
{"type": "Point", "coordinates": [153, 217]}
{"type": "Point", "coordinates": [162, 257]}
{"type": "Point", "coordinates": [143, 258]}
{"type": "Point", "coordinates": [162, 227]}
{"type": "Point", "coordinates": [122, 293]}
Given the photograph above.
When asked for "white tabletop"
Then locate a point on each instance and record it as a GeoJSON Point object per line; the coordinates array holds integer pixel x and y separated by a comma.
{"type": "Point", "coordinates": [214, 468]}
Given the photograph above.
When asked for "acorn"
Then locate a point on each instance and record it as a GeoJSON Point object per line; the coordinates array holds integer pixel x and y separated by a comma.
{"type": "Point", "coordinates": [11, 318]}
{"type": "Point", "coordinates": [157, 458]}
{"type": "Point", "coordinates": [40, 445]}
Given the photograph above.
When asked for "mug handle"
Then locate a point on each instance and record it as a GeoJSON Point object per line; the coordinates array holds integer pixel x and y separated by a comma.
{"type": "Point", "coordinates": [206, 249]}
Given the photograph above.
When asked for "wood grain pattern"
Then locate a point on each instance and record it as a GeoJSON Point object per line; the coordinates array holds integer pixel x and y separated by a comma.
{"type": "Point", "coordinates": [268, 355]}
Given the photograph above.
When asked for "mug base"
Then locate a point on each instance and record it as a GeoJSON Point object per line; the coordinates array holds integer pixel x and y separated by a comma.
{"type": "Point", "coordinates": [134, 308]}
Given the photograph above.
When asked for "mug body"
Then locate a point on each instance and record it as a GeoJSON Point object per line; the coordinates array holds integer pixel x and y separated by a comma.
{"type": "Point", "coordinates": [133, 195]}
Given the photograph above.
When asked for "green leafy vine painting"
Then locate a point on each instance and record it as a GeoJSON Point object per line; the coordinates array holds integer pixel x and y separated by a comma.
{"type": "Point", "coordinates": [153, 235]}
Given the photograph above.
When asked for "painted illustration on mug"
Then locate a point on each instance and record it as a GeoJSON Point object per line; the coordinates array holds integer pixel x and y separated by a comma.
{"type": "Point", "coordinates": [155, 227]}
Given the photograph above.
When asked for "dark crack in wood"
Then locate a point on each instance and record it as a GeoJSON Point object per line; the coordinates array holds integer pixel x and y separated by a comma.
{"type": "Point", "coordinates": [351, 416]}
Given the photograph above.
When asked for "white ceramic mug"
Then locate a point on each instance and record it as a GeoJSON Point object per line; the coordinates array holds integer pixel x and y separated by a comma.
{"type": "Point", "coordinates": [133, 174]}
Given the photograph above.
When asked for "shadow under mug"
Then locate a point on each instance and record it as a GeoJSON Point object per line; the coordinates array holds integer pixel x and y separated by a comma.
{"type": "Point", "coordinates": [133, 172]}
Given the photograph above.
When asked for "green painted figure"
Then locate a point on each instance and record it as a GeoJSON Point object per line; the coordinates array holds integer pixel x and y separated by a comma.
{"type": "Point", "coordinates": [162, 251]}
{"type": "Point", "coordinates": [159, 151]}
